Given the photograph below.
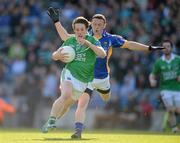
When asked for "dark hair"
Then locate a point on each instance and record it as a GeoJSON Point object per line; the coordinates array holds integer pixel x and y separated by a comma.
{"type": "Point", "coordinates": [80, 20]}
{"type": "Point", "coordinates": [100, 16]}
{"type": "Point", "coordinates": [167, 41]}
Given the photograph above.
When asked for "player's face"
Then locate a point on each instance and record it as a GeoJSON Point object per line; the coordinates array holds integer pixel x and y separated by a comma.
{"type": "Point", "coordinates": [80, 30]}
{"type": "Point", "coordinates": [167, 47]}
{"type": "Point", "coordinates": [97, 26]}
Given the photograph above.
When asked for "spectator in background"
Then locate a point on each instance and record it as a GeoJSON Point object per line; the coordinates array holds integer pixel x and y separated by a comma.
{"type": "Point", "coordinates": [50, 86]}
{"type": "Point", "coordinates": [5, 105]}
{"type": "Point", "coordinates": [126, 89]}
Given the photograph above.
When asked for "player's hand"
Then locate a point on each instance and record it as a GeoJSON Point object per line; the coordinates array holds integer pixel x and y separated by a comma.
{"type": "Point", "coordinates": [81, 40]}
{"type": "Point", "coordinates": [153, 83]}
{"type": "Point", "coordinates": [53, 13]}
{"type": "Point", "coordinates": [154, 48]}
{"type": "Point", "coordinates": [62, 56]}
{"type": "Point", "coordinates": [178, 78]}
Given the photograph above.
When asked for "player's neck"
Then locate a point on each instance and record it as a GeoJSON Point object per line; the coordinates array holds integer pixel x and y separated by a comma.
{"type": "Point", "coordinates": [98, 36]}
{"type": "Point", "coordinates": [168, 56]}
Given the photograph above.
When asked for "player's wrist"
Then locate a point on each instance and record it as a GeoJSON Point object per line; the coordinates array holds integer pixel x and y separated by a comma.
{"type": "Point", "coordinates": [87, 43]}
{"type": "Point", "coordinates": [154, 48]}
{"type": "Point", "coordinates": [55, 21]}
{"type": "Point", "coordinates": [150, 48]}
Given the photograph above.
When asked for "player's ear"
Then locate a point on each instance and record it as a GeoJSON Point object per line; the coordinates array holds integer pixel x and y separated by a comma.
{"type": "Point", "coordinates": [104, 25]}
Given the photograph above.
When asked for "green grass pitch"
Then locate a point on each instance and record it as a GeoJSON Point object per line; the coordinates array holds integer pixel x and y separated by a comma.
{"type": "Point", "coordinates": [95, 136]}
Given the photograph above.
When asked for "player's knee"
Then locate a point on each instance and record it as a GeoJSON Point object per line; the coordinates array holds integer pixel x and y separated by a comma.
{"type": "Point", "coordinates": [88, 92]}
{"type": "Point", "coordinates": [105, 94]}
{"type": "Point", "coordinates": [106, 97]}
{"type": "Point", "coordinates": [66, 94]}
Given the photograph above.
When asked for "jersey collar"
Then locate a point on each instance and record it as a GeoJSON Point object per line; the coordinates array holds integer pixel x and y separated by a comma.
{"type": "Point", "coordinates": [104, 33]}
{"type": "Point", "coordinates": [171, 58]}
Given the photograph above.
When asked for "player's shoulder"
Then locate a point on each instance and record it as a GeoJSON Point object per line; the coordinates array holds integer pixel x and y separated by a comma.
{"type": "Point", "coordinates": [91, 38]}
{"type": "Point", "coordinates": [71, 38]}
{"type": "Point", "coordinates": [109, 35]}
{"type": "Point", "coordinates": [177, 56]}
{"type": "Point", "coordinates": [159, 60]}
{"type": "Point", "coordinates": [114, 37]}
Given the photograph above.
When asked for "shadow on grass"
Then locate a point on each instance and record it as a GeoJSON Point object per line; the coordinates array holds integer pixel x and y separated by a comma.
{"type": "Point", "coordinates": [133, 132]}
{"type": "Point", "coordinates": [64, 139]}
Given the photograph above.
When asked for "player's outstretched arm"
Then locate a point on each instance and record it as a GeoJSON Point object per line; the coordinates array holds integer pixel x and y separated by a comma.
{"type": "Point", "coordinates": [54, 15]}
{"type": "Point", "coordinates": [141, 47]}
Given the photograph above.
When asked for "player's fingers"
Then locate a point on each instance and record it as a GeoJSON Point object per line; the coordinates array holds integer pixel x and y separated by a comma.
{"type": "Point", "coordinates": [57, 10]}
{"type": "Point", "coordinates": [51, 10]}
{"type": "Point", "coordinates": [65, 56]}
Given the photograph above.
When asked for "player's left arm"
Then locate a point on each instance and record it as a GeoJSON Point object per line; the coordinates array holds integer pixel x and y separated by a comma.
{"type": "Point", "coordinates": [155, 71]}
{"type": "Point", "coordinates": [178, 78]}
{"type": "Point", "coordinates": [132, 45]}
{"type": "Point", "coordinates": [98, 50]}
{"type": "Point", "coordinates": [118, 41]}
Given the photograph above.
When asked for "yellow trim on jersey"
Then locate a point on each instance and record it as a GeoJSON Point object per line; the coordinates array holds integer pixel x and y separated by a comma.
{"type": "Point", "coordinates": [99, 37]}
{"type": "Point", "coordinates": [109, 55]}
{"type": "Point", "coordinates": [125, 44]}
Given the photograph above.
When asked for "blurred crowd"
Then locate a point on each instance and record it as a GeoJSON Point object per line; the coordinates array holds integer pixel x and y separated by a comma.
{"type": "Point", "coordinates": [28, 38]}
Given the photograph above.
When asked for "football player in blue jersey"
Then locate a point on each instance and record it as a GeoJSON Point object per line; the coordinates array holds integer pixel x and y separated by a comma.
{"type": "Point", "coordinates": [101, 72]}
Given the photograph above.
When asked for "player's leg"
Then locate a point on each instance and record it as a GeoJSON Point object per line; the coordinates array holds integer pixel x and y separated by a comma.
{"type": "Point", "coordinates": [58, 105]}
{"type": "Point", "coordinates": [177, 105]}
{"type": "Point", "coordinates": [81, 113]}
{"type": "Point", "coordinates": [105, 94]}
{"type": "Point", "coordinates": [103, 87]}
{"type": "Point", "coordinates": [68, 103]}
{"type": "Point", "coordinates": [167, 98]}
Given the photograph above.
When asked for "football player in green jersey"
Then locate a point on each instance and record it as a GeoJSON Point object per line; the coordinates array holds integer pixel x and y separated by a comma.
{"type": "Point", "coordinates": [168, 69]}
{"type": "Point", "coordinates": [76, 74]}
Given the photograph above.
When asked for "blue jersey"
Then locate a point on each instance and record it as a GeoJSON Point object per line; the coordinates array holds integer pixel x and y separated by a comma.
{"type": "Point", "coordinates": [108, 42]}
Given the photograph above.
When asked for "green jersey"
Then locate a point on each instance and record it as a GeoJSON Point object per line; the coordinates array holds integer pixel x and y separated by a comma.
{"type": "Point", "coordinates": [82, 67]}
{"type": "Point", "coordinates": [168, 72]}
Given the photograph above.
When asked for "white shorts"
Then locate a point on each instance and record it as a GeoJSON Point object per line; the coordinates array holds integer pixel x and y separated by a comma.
{"type": "Point", "coordinates": [78, 86]}
{"type": "Point", "coordinates": [171, 98]}
{"type": "Point", "coordinates": [102, 84]}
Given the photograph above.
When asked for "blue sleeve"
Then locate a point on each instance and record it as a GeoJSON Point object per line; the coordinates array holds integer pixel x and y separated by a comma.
{"type": "Point", "coordinates": [98, 44]}
{"type": "Point", "coordinates": [117, 41]}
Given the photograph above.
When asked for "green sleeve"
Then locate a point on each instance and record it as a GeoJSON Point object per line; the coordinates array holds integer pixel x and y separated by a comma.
{"type": "Point", "coordinates": [156, 68]}
{"type": "Point", "coordinates": [94, 41]}
{"type": "Point", "coordinates": [65, 43]}
{"type": "Point", "coordinates": [179, 66]}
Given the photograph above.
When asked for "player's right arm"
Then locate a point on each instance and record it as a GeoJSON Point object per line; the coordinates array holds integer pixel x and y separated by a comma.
{"type": "Point", "coordinates": [62, 31]}
{"type": "Point", "coordinates": [154, 73]}
{"type": "Point", "coordinates": [152, 80]}
{"type": "Point", "coordinates": [54, 15]}
{"type": "Point", "coordinates": [57, 55]}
